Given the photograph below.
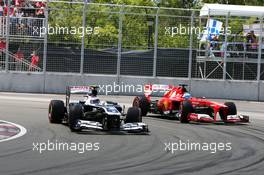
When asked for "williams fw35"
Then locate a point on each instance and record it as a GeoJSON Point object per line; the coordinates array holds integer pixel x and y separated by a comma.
{"type": "Point", "coordinates": [92, 113]}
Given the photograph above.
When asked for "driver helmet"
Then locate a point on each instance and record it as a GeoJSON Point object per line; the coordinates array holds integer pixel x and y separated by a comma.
{"type": "Point", "coordinates": [186, 95]}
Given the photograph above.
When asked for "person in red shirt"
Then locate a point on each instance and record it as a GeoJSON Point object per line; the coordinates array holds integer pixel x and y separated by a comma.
{"type": "Point", "coordinates": [34, 61]}
{"type": "Point", "coordinates": [2, 47]}
{"type": "Point", "coordinates": [18, 2]}
{"type": "Point", "coordinates": [2, 44]}
{"type": "Point", "coordinates": [11, 11]}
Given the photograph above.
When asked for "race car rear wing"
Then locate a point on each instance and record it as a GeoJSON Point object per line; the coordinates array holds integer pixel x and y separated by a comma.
{"type": "Point", "coordinates": [78, 90]}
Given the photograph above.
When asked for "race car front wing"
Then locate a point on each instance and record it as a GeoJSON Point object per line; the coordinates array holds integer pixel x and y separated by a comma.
{"type": "Point", "coordinates": [229, 119]}
{"type": "Point", "coordinates": [128, 127]}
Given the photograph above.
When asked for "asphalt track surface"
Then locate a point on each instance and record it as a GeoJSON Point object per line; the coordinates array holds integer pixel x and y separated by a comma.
{"type": "Point", "coordinates": [121, 153]}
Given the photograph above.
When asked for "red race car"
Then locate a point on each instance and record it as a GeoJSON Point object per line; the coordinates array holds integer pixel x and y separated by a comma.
{"type": "Point", "coordinates": [177, 102]}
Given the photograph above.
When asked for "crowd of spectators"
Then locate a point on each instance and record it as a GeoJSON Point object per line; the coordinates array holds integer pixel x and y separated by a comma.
{"type": "Point", "coordinates": [24, 16]}
{"type": "Point", "coordinates": [23, 8]}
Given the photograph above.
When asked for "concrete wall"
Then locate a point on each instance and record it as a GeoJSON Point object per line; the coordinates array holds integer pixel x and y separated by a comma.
{"type": "Point", "coordinates": [261, 91]}
{"type": "Point", "coordinates": [56, 83]}
{"type": "Point", "coordinates": [225, 89]}
{"type": "Point", "coordinates": [22, 82]}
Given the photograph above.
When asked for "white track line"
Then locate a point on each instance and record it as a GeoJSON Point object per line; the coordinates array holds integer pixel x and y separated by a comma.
{"type": "Point", "coordinates": [22, 132]}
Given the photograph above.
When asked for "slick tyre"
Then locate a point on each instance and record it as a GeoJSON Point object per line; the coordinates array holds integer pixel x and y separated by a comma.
{"type": "Point", "coordinates": [142, 103]}
{"type": "Point", "coordinates": [231, 110]}
{"type": "Point", "coordinates": [75, 113]}
{"type": "Point", "coordinates": [56, 111]}
{"type": "Point", "coordinates": [133, 115]}
{"type": "Point", "coordinates": [186, 109]}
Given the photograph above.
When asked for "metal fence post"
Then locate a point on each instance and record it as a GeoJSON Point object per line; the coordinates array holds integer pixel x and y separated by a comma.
{"type": "Point", "coordinates": [190, 48]}
{"type": "Point", "coordinates": [156, 44]}
{"type": "Point", "coordinates": [83, 37]}
{"type": "Point", "coordinates": [260, 48]}
{"type": "Point", "coordinates": [225, 48]}
{"type": "Point", "coordinates": [259, 55]}
{"type": "Point", "coordinates": [46, 38]}
{"type": "Point", "coordinates": [119, 54]}
{"type": "Point", "coordinates": [7, 36]}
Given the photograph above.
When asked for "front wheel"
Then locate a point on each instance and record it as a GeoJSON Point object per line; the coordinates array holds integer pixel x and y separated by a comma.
{"type": "Point", "coordinates": [133, 115]}
{"type": "Point", "coordinates": [231, 110]}
{"type": "Point", "coordinates": [75, 114]}
{"type": "Point", "coordinates": [185, 109]}
{"type": "Point", "coordinates": [56, 111]}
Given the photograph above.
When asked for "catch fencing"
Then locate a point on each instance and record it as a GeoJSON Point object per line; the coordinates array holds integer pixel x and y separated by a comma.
{"type": "Point", "coordinates": [108, 39]}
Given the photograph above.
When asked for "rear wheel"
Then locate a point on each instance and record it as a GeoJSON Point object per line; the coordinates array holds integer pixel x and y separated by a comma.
{"type": "Point", "coordinates": [186, 109]}
{"type": "Point", "coordinates": [56, 111]}
{"type": "Point", "coordinates": [142, 103]}
{"type": "Point", "coordinates": [133, 115]}
{"type": "Point", "coordinates": [75, 113]}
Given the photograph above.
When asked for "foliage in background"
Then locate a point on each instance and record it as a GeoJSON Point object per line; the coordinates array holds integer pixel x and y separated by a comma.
{"type": "Point", "coordinates": [137, 30]}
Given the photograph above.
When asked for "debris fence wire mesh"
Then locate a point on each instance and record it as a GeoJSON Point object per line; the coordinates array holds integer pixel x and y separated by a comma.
{"type": "Point", "coordinates": [128, 40]}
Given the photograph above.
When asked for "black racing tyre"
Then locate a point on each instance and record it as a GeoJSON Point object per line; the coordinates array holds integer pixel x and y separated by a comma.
{"type": "Point", "coordinates": [75, 113]}
{"type": "Point", "coordinates": [232, 110]}
{"type": "Point", "coordinates": [56, 111]}
{"type": "Point", "coordinates": [133, 115]}
{"type": "Point", "coordinates": [186, 109]}
{"type": "Point", "coordinates": [142, 103]}
{"type": "Point", "coordinates": [105, 124]}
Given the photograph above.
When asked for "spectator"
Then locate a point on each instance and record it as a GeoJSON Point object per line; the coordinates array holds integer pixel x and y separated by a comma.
{"type": "Point", "coordinates": [19, 13]}
{"type": "Point", "coordinates": [1, 18]}
{"type": "Point", "coordinates": [2, 44]}
{"type": "Point", "coordinates": [30, 24]}
{"type": "Point", "coordinates": [19, 56]}
{"type": "Point", "coordinates": [40, 13]}
{"type": "Point", "coordinates": [251, 45]}
{"type": "Point", "coordinates": [18, 3]}
{"type": "Point", "coordinates": [2, 47]}
{"type": "Point", "coordinates": [213, 44]}
{"type": "Point", "coordinates": [214, 39]}
{"type": "Point", "coordinates": [1, 9]}
{"type": "Point", "coordinates": [252, 42]}
{"type": "Point", "coordinates": [11, 11]}
{"type": "Point", "coordinates": [34, 61]}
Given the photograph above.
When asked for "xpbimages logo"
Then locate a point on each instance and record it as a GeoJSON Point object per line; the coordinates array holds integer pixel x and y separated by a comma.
{"type": "Point", "coordinates": [213, 147]}
{"type": "Point", "coordinates": [80, 147]}
{"type": "Point", "coordinates": [60, 30]}
{"type": "Point", "coordinates": [129, 88]}
{"type": "Point", "coordinates": [187, 30]}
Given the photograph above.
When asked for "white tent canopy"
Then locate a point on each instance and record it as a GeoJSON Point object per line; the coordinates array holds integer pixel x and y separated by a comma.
{"type": "Point", "coordinates": [234, 10]}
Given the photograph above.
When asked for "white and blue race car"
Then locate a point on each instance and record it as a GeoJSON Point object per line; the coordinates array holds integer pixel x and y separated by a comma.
{"type": "Point", "coordinates": [92, 113]}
